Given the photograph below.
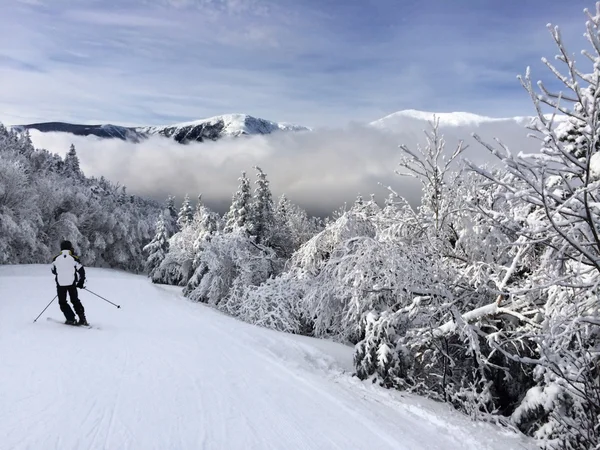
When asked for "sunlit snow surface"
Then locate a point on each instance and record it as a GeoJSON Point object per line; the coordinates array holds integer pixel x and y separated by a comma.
{"type": "Point", "coordinates": [165, 373]}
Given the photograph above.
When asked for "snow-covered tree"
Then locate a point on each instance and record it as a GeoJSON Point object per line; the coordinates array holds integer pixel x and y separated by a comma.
{"type": "Point", "coordinates": [123, 196]}
{"type": "Point", "coordinates": [262, 214]}
{"type": "Point", "coordinates": [436, 170]}
{"type": "Point", "coordinates": [45, 199]}
{"type": "Point", "coordinates": [19, 216]}
{"type": "Point", "coordinates": [293, 226]}
{"type": "Point", "coordinates": [239, 211]}
{"type": "Point", "coordinates": [555, 192]}
{"type": "Point", "coordinates": [275, 303]}
{"type": "Point", "coordinates": [231, 262]}
{"type": "Point", "coordinates": [205, 225]}
{"type": "Point", "coordinates": [186, 214]}
{"type": "Point", "coordinates": [157, 248]}
{"type": "Point", "coordinates": [72, 162]}
{"type": "Point", "coordinates": [171, 215]}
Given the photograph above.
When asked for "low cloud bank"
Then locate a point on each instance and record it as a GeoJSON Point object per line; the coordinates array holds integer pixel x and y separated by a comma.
{"type": "Point", "coordinates": [319, 170]}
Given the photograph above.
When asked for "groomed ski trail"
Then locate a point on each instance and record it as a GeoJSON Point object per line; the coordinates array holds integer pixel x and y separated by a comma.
{"type": "Point", "coordinates": [165, 373]}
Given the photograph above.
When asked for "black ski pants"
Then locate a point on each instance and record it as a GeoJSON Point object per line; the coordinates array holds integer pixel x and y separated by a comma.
{"type": "Point", "coordinates": [64, 306]}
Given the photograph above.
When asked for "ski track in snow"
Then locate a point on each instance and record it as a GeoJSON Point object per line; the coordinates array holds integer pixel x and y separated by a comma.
{"type": "Point", "coordinates": [165, 373]}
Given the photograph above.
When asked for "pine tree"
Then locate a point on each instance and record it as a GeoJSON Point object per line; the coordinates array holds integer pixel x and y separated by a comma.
{"type": "Point", "coordinates": [239, 212]}
{"type": "Point", "coordinates": [199, 206]}
{"type": "Point", "coordinates": [262, 213]}
{"type": "Point", "coordinates": [158, 247]}
{"type": "Point", "coordinates": [208, 220]}
{"type": "Point", "coordinates": [71, 166]}
{"type": "Point", "coordinates": [123, 197]}
{"type": "Point", "coordinates": [185, 213]}
{"type": "Point", "coordinates": [205, 224]}
{"type": "Point", "coordinates": [283, 207]}
{"type": "Point", "coordinates": [170, 216]}
{"type": "Point", "coordinates": [170, 206]}
{"type": "Point", "coordinates": [293, 226]}
{"type": "Point", "coordinates": [25, 145]}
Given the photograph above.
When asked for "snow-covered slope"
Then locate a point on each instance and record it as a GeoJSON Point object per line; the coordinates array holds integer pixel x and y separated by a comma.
{"type": "Point", "coordinates": [213, 128]}
{"type": "Point", "coordinates": [397, 120]}
{"type": "Point", "coordinates": [164, 373]}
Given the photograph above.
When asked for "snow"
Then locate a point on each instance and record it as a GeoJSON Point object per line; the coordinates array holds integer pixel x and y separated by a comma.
{"type": "Point", "coordinates": [234, 125]}
{"type": "Point", "coordinates": [452, 119]}
{"type": "Point", "coordinates": [469, 316]}
{"type": "Point", "coordinates": [538, 396]}
{"type": "Point", "coordinates": [233, 122]}
{"type": "Point", "coordinates": [446, 119]}
{"type": "Point", "coordinates": [166, 373]}
{"type": "Point", "coordinates": [595, 166]}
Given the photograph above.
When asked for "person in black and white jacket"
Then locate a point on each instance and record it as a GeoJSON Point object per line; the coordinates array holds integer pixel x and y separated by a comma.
{"type": "Point", "coordinates": [70, 275]}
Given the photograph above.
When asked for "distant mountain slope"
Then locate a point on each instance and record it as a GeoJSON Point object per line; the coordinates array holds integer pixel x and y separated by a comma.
{"type": "Point", "coordinates": [213, 128]}
{"type": "Point", "coordinates": [102, 131]}
{"type": "Point", "coordinates": [453, 119]}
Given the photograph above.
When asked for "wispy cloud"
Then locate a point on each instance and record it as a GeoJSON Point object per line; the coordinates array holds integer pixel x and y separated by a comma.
{"type": "Point", "coordinates": [311, 62]}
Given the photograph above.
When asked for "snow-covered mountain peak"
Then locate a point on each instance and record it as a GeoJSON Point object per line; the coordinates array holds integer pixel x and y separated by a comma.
{"type": "Point", "coordinates": [232, 119]}
{"type": "Point", "coordinates": [231, 125]}
{"type": "Point", "coordinates": [456, 119]}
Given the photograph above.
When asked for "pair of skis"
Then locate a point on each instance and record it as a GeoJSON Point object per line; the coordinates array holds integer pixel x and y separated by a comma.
{"type": "Point", "coordinates": [50, 319]}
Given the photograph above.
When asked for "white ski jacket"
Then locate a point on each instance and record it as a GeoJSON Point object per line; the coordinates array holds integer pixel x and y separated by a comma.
{"type": "Point", "coordinates": [67, 269]}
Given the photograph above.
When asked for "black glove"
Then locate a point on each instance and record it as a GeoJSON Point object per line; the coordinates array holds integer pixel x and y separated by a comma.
{"type": "Point", "coordinates": [80, 284]}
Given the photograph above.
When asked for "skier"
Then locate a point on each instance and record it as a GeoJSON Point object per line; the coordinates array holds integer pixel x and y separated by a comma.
{"type": "Point", "coordinates": [70, 275]}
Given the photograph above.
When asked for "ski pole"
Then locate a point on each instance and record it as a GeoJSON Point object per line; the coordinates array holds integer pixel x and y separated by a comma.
{"type": "Point", "coordinates": [118, 306]}
{"type": "Point", "coordinates": [45, 309]}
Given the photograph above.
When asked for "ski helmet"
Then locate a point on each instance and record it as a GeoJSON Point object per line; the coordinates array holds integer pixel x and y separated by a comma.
{"type": "Point", "coordinates": [66, 245]}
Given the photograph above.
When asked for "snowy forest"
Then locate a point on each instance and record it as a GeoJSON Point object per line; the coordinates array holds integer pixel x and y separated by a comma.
{"type": "Point", "coordinates": [45, 198]}
{"type": "Point", "coordinates": [484, 297]}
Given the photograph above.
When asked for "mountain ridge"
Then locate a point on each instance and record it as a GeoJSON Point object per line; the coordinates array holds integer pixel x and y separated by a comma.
{"type": "Point", "coordinates": [455, 118]}
{"type": "Point", "coordinates": [212, 128]}
{"type": "Point", "coordinates": [238, 125]}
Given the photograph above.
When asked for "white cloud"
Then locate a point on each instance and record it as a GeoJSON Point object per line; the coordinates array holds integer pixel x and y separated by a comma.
{"type": "Point", "coordinates": [319, 170]}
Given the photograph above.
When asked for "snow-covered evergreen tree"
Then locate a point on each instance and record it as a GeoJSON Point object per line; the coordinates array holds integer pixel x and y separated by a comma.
{"type": "Point", "coordinates": [185, 215]}
{"type": "Point", "coordinates": [205, 225]}
{"type": "Point", "coordinates": [239, 211]}
{"type": "Point", "coordinates": [262, 214]}
{"type": "Point", "coordinates": [293, 226]}
{"type": "Point", "coordinates": [72, 162]}
{"type": "Point", "coordinates": [171, 215]}
{"type": "Point", "coordinates": [157, 248]}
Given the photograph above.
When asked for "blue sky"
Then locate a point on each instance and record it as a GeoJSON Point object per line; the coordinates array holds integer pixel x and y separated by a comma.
{"type": "Point", "coordinates": [312, 62]}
